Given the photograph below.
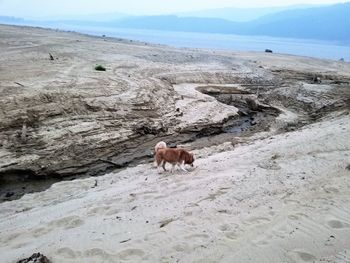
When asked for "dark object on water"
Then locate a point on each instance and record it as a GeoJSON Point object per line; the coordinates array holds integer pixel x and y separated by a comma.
{"type": "Point", "coordinates": [268, 50]}
{"type": "Point", "coordinates": [35, 258]}
{"type": "Point", "coordinates": [100, 68]}
{"type": "Point", "coordinates": [342, 59]}
{"type": "Point", "coordinates": [51, 57]}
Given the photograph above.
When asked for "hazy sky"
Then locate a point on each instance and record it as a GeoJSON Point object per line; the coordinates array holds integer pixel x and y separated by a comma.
{"type": "Point", "coordinates": [28, 8]}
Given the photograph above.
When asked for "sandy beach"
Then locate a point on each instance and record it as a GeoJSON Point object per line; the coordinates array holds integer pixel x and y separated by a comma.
{"type": "Point", "coordinates": [277, 191]}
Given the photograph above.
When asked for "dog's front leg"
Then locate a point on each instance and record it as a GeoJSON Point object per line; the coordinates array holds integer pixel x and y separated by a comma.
{"type": "Point", "coordinates": [164, 162]}
{"type": "Point", "coordinates": [172, 168]}
{"type": "Point", "coordinates": [182, 167]}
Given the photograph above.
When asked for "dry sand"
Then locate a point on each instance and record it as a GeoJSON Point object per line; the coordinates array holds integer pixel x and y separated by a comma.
{"type": "Point", "coordinates": [285, 198]}
{"type": "Point", "coordinates": [274, 197]}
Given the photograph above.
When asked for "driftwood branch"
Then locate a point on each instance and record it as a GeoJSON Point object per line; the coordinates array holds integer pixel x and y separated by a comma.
{"type": "Point", "coordinates": [19, 84]}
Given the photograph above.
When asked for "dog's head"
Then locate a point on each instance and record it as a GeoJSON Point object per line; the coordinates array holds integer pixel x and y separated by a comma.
{"type": "Point", "coordinates": [189, 159]}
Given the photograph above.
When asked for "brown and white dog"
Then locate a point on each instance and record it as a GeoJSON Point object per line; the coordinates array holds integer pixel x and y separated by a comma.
{"type": "Point", "coordinates": [175, 156]}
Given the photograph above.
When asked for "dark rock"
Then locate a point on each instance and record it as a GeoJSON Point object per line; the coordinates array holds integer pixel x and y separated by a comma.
{"type": "Point", "coordinates": [35, 258]}
{"type": "Point", "coordinates": [268, 51]}
{"type": "Point", "coordinates": [9, 194]}
{"type": "Point", "coordinates": [148, 128]}
{"type": "Point", "coordinates": [316, 79]}
{"type": "Point", "coordinates": [252, 103]}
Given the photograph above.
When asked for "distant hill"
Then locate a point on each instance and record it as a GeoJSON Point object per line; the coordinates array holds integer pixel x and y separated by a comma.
{"type": "Point", "coordinates": [10, 20]}
{"type": "Point", "coordinates": [175, 23]}
{"type": "Point", "coordinates": [101, 17]}
{"type": "Point", "coordinates": [331, 23]}
{"type": "Point", "coordinates": [241, 14]}
{"type": "Point", "coordinates": [324, 23]}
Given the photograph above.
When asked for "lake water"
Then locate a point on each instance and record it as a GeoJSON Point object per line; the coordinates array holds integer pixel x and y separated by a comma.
{"type": "Point", "coordinates": [302, 47]}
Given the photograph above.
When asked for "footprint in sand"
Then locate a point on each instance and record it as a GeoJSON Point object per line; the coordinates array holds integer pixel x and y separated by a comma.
{"type": "Point", "coordinates": [198, 238]}
{"type": "Point", "coordinates": [331, 190]}
{"type": "Point", "coordinates": [263, 240]}
{"type": "Point", "coordinates": [231, 235]}
{"type": "Point", "coordinates": [149, 194]}
{"type": "Point", "coordinates": [229, 231]}
{"type": "Point", "coordinates": [98, 210]}
{"type": "Point", "coordinates": [183, 247]}
{"type": "Point", "coordinates": [297, 216]}
{"type": "Point", "coordinates": [304, 256]}
{"type": "Point", "coordinates": [38, 232]}
{"type": "Point", "coordinates": [257, 220]}
{"type": "Point", "coordinates": [113, 201]}
{"type": "Point", "coordinates": [112, 212]}
{"type": "Point", "coordinates": [192, 210]}
{"type": "Point", "coordinates": [131, 254]}
{"type": "Point", "coordinates": [213, 196]}
{"type": "Point", "coordinates": [155, 236]}
{"type": "Point", "coordinates": [67, 253]}
{"type": "Point", "coordinates": [103, 210]}
{"type": "Point", "coordinates": [99, 255]}
{"type": "Point", "coordinates": [291, 201]}
{"type": "Point", "coordinates": [67, 222]}
{"type": "Point", "coordinates": [337, 224]}
{"type": "Point", "coordinates": [225, 227]}
{"type": "Point", "coordinates": [11, 237]}
{"type": "Point", "coordinates": [20, 245]}
{"type": "Point", "coordinates": [180, 190]}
